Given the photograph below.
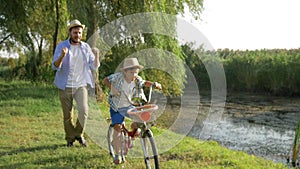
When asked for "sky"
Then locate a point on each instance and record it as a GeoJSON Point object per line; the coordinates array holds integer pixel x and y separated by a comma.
{"type": "Point", "coordinates": [251, 24]}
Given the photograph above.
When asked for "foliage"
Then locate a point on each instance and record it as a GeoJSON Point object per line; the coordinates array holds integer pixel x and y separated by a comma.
{"type": "Point", "coordinates": [33, 28]}
{"type": "Point", "coordinates": [196, 60]}
{"type": "Point", "coordinates": [27, 28]}
{"type": "Point", "coordinates": [273, 71]}
{"type": "Point", "coordinates": [129, 44]}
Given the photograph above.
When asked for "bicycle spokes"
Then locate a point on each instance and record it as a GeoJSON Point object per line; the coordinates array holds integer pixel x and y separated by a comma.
{"type": "Point", "coordinates": [150, 151]}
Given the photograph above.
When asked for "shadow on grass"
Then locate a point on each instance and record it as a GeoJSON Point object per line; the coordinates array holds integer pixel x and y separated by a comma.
{"type": "Point", "coordinates": [64, 161]}
{"type": "Point", "coordinates": [30, 149]}
{"type": "Point", "coordinates": [54, 163]}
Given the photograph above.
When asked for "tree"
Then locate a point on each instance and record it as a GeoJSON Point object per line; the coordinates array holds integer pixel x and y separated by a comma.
{"type": "Point", "coordinates": [60, 19]}
{"type": "Point", "coordinates": [33, 28]}
{"type": "Point", "coordinates": [111, 10]}
{"type": "Point", "coordinates": [28, 28]}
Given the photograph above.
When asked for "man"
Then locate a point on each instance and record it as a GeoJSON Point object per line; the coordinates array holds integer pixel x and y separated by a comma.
{"type": "Point", "coordinates": [73, 61]}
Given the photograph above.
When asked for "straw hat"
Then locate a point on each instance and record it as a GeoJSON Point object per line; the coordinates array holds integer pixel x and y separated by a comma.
{"type": "Point", "coordinates": [131, 63]}
{"type": "Point", "coordinates": [74, 23]}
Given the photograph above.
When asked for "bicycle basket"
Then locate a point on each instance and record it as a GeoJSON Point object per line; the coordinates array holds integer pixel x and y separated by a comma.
{"type": "Point", "coordinates": [143, 113]}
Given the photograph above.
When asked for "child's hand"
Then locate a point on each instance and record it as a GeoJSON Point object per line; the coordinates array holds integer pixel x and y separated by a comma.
{"type": "Point", "coordinates": [157, 86]}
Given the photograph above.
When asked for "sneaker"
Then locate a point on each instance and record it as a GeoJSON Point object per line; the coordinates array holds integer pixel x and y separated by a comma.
{"type": "Point", "coordinates": [117, 160]}
{"type": "Point", "coordinates": [70, 143]}
{"type": "Point", "coordinates": [81, 141]}
{"type": "Point", "coordinates": [123, 159]}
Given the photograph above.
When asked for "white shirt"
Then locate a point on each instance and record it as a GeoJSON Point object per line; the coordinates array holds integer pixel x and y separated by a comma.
{"type": "Point", "coordinates": [76, 74]}
{"type": "Point", "coordinates": [127, 91]}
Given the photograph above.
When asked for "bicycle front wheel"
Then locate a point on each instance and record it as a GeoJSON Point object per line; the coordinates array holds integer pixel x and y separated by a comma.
{"type": "Point", "coordinates": [150, 150]}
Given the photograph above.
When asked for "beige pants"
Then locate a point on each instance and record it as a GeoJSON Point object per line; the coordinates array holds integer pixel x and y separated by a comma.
{"type": "Point", "coordinates": [80, 95]}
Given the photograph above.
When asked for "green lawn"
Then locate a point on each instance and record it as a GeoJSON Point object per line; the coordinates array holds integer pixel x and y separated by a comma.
{"type": "Point", "coordinates": [32, 136]}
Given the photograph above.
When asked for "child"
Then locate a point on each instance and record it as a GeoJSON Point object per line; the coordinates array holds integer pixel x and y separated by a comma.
{"type": "Point", "coordinates": [122, 87]}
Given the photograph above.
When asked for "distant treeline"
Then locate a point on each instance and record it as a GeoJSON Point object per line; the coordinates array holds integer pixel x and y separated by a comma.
{"type": "Point", "coordinates": [272, 71]}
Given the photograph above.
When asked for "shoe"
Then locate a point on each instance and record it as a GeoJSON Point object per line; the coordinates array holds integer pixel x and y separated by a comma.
{"type": "Point", "coordinates": [70, 144]}
{"type": "Point", "coordinates": [123, 159]}
{"type": "Point", "coordinates": [81, 141]}
{"type": "Point", "coordinates": [117, 160]}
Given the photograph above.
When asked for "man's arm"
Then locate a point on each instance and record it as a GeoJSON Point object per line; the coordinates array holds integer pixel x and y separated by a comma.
{"type": "Point", "coordinates": [96, 53]}
{"type": "Point", "coordinates": [58, 61]}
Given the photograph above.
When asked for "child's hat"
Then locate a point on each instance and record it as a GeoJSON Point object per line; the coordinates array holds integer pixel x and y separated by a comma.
{"type": "Point", "coordinates": [131, 63]}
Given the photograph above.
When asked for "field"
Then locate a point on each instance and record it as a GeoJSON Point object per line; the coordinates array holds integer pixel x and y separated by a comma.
{"type": "Point", "coordinates": [32, 136]}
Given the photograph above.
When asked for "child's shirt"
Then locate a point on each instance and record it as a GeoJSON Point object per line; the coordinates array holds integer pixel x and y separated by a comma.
{"type": "Point", "coordinates": [117, 80]}
{"type": "Point", "coordinates": [126, 94]}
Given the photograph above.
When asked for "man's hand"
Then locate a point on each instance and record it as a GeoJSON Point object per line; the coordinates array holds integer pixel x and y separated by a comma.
{"type": "Point", "coordinates": [64, 52]}
{"type": "Point", "coordinates": [96, 52]}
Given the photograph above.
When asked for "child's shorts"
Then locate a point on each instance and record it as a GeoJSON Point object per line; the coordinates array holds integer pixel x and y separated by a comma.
{"type": "Point", "coordinates": [117, 117]}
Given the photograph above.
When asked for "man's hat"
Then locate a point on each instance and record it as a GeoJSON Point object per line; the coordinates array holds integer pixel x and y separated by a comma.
{"type": "Point", "coordinates": [74, 23]}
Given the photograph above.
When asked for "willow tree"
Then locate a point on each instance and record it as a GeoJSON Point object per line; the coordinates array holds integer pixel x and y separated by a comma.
{"type": "Point", "coordinates": [28, 27]}
{"type": "Point", "coordinates": [35, 27]}
{"type": "Point", "coordinates": [108, 11]}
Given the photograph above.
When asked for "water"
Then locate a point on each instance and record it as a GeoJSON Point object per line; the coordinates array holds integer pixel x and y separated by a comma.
{"type": "Point", "coordinates": [264, 141]}
{"type": "Point", "coordinates": [260, 125]}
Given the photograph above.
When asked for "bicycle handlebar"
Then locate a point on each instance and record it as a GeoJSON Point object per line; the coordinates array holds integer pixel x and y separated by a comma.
{"type": "Point", "coordinates": [150, 94]}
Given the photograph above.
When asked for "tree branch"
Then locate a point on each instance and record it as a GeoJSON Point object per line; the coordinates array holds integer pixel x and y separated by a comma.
{"type": "Point", "coordinates": [4, 39]}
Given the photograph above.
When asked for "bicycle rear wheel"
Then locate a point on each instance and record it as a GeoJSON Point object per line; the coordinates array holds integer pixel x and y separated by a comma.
{"type": "Point", "coordinates": [110, 140]}
{"type": "Point", "coordinates": [150, 150]}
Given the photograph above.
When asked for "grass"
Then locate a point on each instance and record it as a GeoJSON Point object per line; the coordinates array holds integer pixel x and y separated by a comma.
{"type": "Point", "coordinates": [32, 136]}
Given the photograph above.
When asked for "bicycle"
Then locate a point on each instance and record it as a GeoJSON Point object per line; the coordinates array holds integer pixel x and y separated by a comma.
{"type": "Point", "coordinates": [141, 115]}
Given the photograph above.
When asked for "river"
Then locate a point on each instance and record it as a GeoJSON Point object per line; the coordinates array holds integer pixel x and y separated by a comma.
{"type": "Point", "coordinates": [261, 125]}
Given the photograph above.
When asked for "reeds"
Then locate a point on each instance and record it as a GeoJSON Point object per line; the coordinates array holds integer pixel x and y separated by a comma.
{"type": "Point", "coordinates": [296, 145]}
